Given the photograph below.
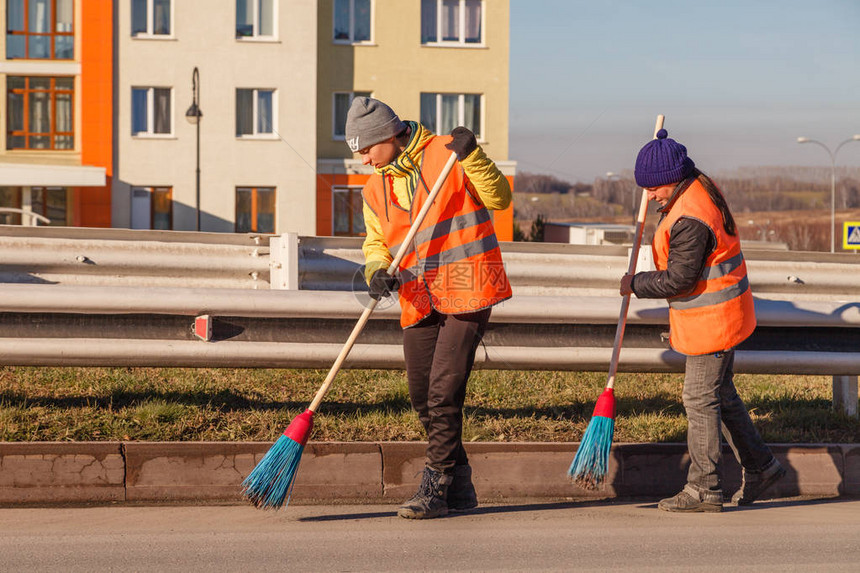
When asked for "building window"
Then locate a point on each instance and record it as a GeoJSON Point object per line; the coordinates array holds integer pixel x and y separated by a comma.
{"type": "Point", "coordinates": [18, 205]}
{"type": "Point", "coordinates": [340, 107]}
{"type": "Point", "coordinates": [255, 18]}
{"type": "Point", "coordinates": [49, 202]}
{"type": "Point", "coordinates": [10, 198]}
{"type": "Point", "coordinates": [352, 20]}
{"type": "Point", "coordinates": [151, 18]}
{"type": "Point", "coordinates": [452, 22]}
{"type": "Point", "coordinates": [152, 208]}
{"type": "Point", "coordinates": [347, 212]}
{"type": "Point", "coordinates": [255, 112]}
{"type": "Point", "coordinates": [443, 112]}
{"type": "Point", "coordinates": [150, 111]}
{"type": "Point", "coordinates": [255, 209]}
{"type": "Point", "coordinates": [40, 29]}
{"type": "Point", "coordinates": [40, 113]}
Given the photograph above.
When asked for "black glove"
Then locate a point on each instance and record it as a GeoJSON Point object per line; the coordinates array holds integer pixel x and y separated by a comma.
{"type": "Point", "coordinates": [464, 142]}
{"type": "Point", "coordinates": [381, 284]}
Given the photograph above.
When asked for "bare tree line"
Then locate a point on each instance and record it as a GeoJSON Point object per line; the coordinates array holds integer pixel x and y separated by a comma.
{"type": "Point", "coordinates": [749, 190]}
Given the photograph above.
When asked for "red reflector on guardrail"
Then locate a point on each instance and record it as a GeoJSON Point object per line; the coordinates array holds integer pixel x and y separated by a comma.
{"type": "Point", "coordinates": [203, 327]}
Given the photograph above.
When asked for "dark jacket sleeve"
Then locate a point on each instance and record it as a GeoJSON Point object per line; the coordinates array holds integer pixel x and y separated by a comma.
{"type": "Point", "coordinates": [690, 244]}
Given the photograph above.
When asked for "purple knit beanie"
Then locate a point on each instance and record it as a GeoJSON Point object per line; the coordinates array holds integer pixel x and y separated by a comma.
{"type": "Point", "coordinates": [662, 161]}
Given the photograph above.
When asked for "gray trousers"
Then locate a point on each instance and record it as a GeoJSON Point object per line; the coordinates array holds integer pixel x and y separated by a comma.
{"type": "Point", "coordinates": [439, 353]}
{"type": "Point", "coordinates": [712, 403]}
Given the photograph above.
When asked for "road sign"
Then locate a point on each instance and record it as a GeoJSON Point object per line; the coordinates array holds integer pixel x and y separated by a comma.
{"type": "Point", "coordinates": [851, 235]}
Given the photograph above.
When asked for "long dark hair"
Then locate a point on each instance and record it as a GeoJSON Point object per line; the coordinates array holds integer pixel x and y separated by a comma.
{"type": "Point", "coordinates": [717, 197]}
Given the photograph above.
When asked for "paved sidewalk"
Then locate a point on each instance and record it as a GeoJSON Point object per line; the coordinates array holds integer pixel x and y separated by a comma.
{"type": "Point", "coordinates": [782, 535]}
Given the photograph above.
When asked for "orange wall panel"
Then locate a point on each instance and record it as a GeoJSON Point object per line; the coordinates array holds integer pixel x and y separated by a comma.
{"type": "Point", "coordinates": [92, 206]}
{"type": "Point", "coordinates": [93, 203]}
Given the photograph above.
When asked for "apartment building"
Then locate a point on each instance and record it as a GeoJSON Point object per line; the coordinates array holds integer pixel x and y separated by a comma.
{"type": "Point", "coordinates": [441, 62]}
{"type": "Point", "coordinates": [56, 77]}
{"type": "Point", "coordinates": [228, 115]}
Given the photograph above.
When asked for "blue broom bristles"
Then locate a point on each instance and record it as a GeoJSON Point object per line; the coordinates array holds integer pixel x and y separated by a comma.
{"type": "Point", "coordinates": [589, 465]}
{"type": "Point", "coordinates": [269, 485]}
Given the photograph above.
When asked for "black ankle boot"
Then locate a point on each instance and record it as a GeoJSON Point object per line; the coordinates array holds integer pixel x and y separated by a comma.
{"type": "Point", "coordinates": [461, 493]}
{"type": "Point", "coordinates": [431, 498]}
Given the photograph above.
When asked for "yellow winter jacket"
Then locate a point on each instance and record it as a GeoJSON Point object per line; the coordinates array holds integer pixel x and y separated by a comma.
{"type": "Point", "coordinates": [492, 188]}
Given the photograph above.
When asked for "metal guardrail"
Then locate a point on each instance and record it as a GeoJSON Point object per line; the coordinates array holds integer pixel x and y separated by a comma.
{"type": "Point", "coordinates": [56, 309]}
{"type": "Point", "coordinates": [144, 326]}
{"type": "Point", "coordinates": [115, 257]}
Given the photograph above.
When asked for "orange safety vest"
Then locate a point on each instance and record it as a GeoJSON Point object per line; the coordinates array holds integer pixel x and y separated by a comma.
{"type": "Point", "coordinates": [718, 314]}
{"type": "Point", "coordinates": [454, 264]}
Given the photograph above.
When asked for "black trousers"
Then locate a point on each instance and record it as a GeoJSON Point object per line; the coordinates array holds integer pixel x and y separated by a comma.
{"type": "Point", "coordinates": [439, 353]}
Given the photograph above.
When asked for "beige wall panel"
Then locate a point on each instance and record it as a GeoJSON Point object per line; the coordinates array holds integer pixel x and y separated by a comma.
{"type": "Point", "coordinates": [203, 36]}
{"type": "Point", "coordinates": [397, 68]}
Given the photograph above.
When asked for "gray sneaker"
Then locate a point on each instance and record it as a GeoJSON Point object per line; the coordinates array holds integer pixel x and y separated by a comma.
{"type": "Point", "coordinates": [689, 501]}
{"type": "Point", "coordinates": [755, 483]}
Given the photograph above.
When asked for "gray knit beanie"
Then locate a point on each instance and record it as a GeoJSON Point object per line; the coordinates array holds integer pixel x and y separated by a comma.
{"type": "Point", "coordinates": [370, 121]}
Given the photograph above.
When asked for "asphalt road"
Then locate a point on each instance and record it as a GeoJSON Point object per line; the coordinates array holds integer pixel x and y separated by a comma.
{"type": "Point", "coordinates": [782, 535]}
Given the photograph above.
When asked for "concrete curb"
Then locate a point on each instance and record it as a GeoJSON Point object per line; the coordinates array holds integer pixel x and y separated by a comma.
{"type": "Point", "coordinates": [100, 472]}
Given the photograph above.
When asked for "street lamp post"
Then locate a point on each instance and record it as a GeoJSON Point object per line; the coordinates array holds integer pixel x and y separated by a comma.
{"type": "Point", "coordinates": [193, 116]}
{"type": "Point", "coordinates": [832, 155]}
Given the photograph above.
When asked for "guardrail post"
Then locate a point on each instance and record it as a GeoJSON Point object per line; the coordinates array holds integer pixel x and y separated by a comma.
{"type": "Point", "coordinates": [845, 395]}
{"type": "Point", "coordinates": [284, 261]}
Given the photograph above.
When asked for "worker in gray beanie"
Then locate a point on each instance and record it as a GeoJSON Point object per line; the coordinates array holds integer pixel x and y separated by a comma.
{"type": "Point", "coordinates": [702, 273]}
{"type": "Point", "coordinates": [448, 280]}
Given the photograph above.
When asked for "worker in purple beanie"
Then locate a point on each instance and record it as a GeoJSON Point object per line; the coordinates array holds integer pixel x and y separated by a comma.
{"type": "Point", "coordinates": [702, 273]}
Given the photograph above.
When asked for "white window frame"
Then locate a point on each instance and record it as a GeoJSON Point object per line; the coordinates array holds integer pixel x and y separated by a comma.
{"type": "Point", "coordinates": [352, 95]}
{"type": "Point", "coordinates": [150, 17]}
{"type": "Point", "coordinates": [150, 115]}
{"type": "Point", "coordinates": [351, 41]}
{"type": "Point", "coordinates": [461, 43]}
{"type": "Point", "coordinates": [255, 35]}
{"type": "Point", "coordinates": [349, 188]}
{"type": "Point", "coordinates": [461, 112]}
{"type": "Point", "coordinates": [255, 113]}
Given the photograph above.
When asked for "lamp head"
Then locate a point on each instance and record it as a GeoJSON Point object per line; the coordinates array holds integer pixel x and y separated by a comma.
{"type": "Point", "coordinates": [803, 140]}
{"type": "Point", "coordinates": [193, 114]}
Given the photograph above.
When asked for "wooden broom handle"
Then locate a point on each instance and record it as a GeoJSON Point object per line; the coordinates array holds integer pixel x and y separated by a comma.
{"type": "Point", "coordinates": [631, 268]}
{"type": "Point", "coordinates": [401, 252]}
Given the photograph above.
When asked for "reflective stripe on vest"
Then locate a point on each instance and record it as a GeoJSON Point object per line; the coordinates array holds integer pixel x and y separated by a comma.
{"type": "Point", "coordinates": [450, 257]}
{"type": "Point", "coordinates": [710, 298]}
{"type": "Point", "coordinates": [722, 269]}
{"type": "Point", "coordinates": [453, 224]}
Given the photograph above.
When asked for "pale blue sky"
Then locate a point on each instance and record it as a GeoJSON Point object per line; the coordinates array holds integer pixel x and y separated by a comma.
{"type": "Point", "coordinates": [738, 82]}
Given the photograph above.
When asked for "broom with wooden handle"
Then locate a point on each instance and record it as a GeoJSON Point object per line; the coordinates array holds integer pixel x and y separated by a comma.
{"type": "Point", "coordinates": [592, 457]}
{"type": "Point", "coordinates": [270, 483]}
